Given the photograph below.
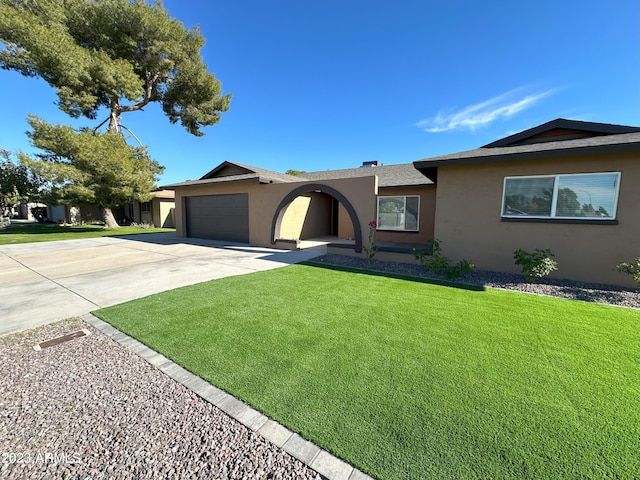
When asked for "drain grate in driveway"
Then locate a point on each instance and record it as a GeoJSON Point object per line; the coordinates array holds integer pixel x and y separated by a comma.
{"type": "Point", "coordinates": [65, 338]}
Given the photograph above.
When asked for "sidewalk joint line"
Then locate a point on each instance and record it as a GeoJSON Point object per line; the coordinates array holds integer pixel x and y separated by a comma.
{"type": "Point", "coordinates": [54, 281]}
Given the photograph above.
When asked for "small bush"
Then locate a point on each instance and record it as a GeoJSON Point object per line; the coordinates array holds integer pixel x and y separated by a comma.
{"type": "Point", "coordinates": [438, 263]}
{"type": "Point", "coordinates": [535, 265]}
{"type": "Point", "coordinates": [631, 268]}
{"type": "Point", "coordinates": [142, 225]}
{"type": "Point", "coordinates": [459, 269]}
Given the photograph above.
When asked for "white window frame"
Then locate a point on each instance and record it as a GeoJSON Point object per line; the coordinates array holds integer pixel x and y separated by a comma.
{"type": "Point", "coordinates": [554, 200]}
{"type": "Point", "coordinates": [403, 229]}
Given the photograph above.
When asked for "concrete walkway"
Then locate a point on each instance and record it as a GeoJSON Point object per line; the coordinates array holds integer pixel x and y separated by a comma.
{"type": "Point", "coordinates": [44, 282]}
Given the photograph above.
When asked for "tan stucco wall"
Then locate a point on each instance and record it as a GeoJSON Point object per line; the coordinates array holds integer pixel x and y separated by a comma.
{"type": "Point", "coordinates": [426, 218]}
{"type": "Point", "coordinates": [163, 212]}
{"type": "Point", "coordinates": [345, 227]}
{"type": "Point", "coordinates": [294, 217]}
{"type": "Point", "coordinates": [265, 198]}
{"type": "Point", "coordinates": [136, 212]}
{"type": "Point", "coordinates": [147, 217]}
{"type": "Point", "coordinates": [318, 221]}
{"type": "Point", "coordinates": [468, 221]}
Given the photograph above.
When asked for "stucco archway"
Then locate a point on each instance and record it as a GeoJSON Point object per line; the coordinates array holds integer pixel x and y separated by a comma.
{"type": "Point", "coordinates": [317, 187]}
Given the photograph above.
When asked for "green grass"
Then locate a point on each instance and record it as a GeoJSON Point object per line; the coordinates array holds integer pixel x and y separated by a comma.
{"type": "Point", "coordinates": [408, 380]}
{"type": "Point", "coordinates": [50, 232]}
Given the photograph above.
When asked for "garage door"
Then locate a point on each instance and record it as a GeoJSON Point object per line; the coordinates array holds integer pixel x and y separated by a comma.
{"type": "Point", "coordinates": [218, 217]}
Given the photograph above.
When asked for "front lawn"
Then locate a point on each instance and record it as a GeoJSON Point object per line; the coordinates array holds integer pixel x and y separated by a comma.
{"type": "Point", "coordinates": [408, 380]}
{"type": "Point", "coordinates": [50, 232]}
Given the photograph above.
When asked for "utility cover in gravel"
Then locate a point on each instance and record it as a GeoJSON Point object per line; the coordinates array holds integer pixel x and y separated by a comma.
{"type": "Point", "coordinates": [90, 408]}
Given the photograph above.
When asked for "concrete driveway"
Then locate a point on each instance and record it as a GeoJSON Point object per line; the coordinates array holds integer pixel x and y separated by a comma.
{"type": "Point", "coordinates": [44, 282]}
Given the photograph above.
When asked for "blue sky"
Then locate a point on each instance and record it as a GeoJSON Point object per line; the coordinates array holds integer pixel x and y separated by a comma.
{"type": "Point", "coordinates": [329, 84]}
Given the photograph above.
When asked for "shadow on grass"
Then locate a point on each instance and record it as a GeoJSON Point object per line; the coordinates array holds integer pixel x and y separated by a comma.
{"type": "Point", "coordinates": [377, 273]}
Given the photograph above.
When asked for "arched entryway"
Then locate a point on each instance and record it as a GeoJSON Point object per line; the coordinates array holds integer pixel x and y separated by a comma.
{"type": "Point", "coordinates": [276, 224]}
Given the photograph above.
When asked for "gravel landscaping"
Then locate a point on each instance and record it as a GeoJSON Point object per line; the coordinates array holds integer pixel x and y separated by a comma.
{"type": "Point", "coordinates": [608, 294]}
{"type": "Point", "coordinates": [90, 408]}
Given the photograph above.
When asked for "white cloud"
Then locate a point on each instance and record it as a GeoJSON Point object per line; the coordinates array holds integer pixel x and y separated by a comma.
{"type": "Point", "coordinates": [484, 113]}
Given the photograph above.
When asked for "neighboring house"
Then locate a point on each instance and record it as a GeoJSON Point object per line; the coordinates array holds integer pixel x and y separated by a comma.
{"type": "Point", "coordinates": [566, 185]}
{"type": "Point", "coordinates": [74, 215]}
{"type": "Point", "coordinates": [569, 186]}
{"type": "Point", "coordinates": [23, 210]}
{"type": "Point", "coordinates": [159, 211]}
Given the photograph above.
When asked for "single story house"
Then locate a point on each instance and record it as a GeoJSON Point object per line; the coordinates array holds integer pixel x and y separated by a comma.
{"type": "Point", "coordinates": [566, 185]}
{"type": "Point", "coordinates": [74, 215]}
{"type": "Point", "coordinates": [569, 186]}
{"type": "Point", "coordinates": [241, 203]}
{"type": "Point", "coordinates": [159, 211]}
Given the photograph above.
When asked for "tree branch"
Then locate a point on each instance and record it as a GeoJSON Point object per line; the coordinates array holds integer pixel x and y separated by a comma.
{"type": "Point", "coordinates": [105, 121]}
{"type": "Point", "coordinates": [150, 82]}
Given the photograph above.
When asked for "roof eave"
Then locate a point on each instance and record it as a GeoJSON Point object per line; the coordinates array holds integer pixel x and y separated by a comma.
{"type": "Point", "coordinates": [405, 185]}
{"type": "Point", "coordinates": [627, 147]}
{"type": "Point", "coordinates": [593, 127]}
{"type": "Point", "coordinates": [210, 181]}
{"type": "Point", "coordinates": [267, 180]}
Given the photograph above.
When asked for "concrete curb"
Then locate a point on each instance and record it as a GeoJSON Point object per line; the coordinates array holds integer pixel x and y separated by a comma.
{"type": "Point", "coordinates": [310, 454]}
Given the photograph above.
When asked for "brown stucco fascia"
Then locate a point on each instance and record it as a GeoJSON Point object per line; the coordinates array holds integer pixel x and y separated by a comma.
{"type": "Point", "coordinates": [429, 167]}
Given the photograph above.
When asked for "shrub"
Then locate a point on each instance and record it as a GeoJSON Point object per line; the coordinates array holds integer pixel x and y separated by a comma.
{"type": "Point", "coordinates": [438, 263]}
{"type": "Point", "coordinates": [632, 268]}
{"type": "Point", "coordinates": [459, 269]}
{"type": "Point", "coordinates": [535, 265]}
{"type": "Point", "coordinates": [371, 250]}
{"type": "Point", "coordinates": [142, 225]}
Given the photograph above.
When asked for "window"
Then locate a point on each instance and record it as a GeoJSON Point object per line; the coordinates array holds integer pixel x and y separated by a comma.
{"type": "Point", "coordinates": [585, 196]}
{"type": "Point", "coordinates": [145, 207]}
{"type": "Point", "coordinates": [398, 213]}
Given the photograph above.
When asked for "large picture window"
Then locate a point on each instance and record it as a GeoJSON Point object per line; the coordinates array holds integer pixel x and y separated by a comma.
{"type": "Point", "coordinates": [399, 213]}
{"type": "Point", "coordinates": [586, 196]}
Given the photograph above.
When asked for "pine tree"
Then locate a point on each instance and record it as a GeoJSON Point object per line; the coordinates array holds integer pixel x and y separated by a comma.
{"type": "Point", "coordinates": [107, 57]}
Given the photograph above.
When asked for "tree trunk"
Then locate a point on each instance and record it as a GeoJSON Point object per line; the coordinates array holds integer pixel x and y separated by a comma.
{"type": "Point", "coordinates": [109, 219]}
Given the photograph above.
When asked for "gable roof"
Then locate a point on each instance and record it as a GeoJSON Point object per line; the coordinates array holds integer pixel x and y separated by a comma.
{"type": "Point", "coordinates": [227, 169]}
{"type": "Point", "coordinates": [561, 129]}
{"type": "Point", "coordinates": [541, 142]}
{"type": "Point", "coordinates": [236, 172]}
{"type": "Point", "coordinates": [399, 175]}
{"type": "Point", "coordinates": [388, 175]}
